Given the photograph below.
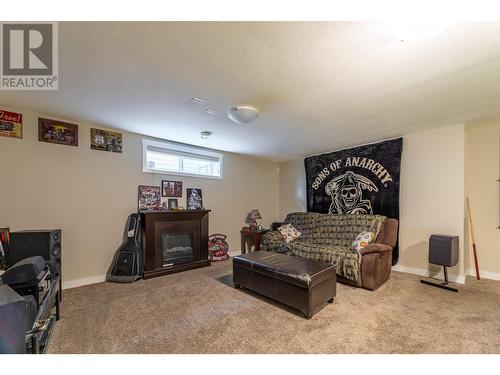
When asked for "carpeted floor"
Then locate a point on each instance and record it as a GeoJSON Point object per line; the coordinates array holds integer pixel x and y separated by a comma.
{"type": "Point", "coordinates": [199, 311]}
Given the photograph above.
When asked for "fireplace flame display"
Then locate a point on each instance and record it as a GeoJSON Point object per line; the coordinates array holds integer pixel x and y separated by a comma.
{"type": "Point", "coordinates": [177, 248]}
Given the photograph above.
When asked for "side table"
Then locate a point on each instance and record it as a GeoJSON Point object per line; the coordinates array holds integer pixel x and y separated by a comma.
{"type": "Point", "coordinates": [252, 237]}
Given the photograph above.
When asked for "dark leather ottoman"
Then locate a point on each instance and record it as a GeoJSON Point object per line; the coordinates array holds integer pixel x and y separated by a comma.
{"type": "Point", "coordinates": [298, 282]}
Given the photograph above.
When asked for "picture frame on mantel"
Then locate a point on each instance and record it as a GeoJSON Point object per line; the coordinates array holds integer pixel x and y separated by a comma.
{"type": "Point", "coordinates": [173, 204]}
{"type": "Point", "coordinates": [149, 198]}
{"type": "Point", "coordinates": [171, 189]}
{"type": "Point", "coordinates": [194, 199]}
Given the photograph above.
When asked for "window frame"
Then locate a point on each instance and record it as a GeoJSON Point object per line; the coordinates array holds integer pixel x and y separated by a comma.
{"type": "Point", "coordinates": [181, 148]}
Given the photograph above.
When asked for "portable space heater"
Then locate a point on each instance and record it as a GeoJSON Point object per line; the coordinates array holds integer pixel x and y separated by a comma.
{"type": "Point", "coordinates": [127, 265]}
{"type": "Point", "coordinates": [443, 251]}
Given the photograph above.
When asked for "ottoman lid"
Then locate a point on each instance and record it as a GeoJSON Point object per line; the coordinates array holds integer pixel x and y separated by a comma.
{"type": "Point", "coordinates": [301, 272]}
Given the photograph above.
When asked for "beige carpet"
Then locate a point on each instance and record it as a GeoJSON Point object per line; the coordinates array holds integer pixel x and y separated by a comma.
{"type": "Point", "coordinates": [199, 311]}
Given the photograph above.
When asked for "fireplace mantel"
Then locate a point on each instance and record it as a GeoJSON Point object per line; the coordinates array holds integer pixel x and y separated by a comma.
{"type": "Point", "coordinates": [158, 224]}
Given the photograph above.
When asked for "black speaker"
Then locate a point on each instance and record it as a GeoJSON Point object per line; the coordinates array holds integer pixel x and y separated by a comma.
{"type": "Point", "coordinates": [24, 271]}
{"type": "Point", "coordinates": [29, 243]}
{"type": "Point", "coordinates": [443, 250]}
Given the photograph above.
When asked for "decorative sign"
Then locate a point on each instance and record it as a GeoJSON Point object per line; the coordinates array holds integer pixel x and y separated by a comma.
{"type": "Point", "coordinates": [58, 132]}
{"type": "Point", "coordinates": [194, 199]}
{"type": "Point", "coordinates": [105, 140]}
{"type": "Point", "coordinates": [149, 198]}
{"type": "Point", "coordinates": [218, 247]}
{"type": "Point", "coordinates": [359, 180]}
{"type": "Point", "coordinates": [11, 124]}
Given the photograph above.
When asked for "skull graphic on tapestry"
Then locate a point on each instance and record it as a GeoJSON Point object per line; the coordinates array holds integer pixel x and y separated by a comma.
{"type": "Point", "coordinates": [359, 180]}
{"type": "Point", "coordinates": [346, 192]}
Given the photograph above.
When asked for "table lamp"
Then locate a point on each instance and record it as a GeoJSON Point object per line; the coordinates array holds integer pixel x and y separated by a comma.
{"type": "Point", "coordinates": [253, 216]}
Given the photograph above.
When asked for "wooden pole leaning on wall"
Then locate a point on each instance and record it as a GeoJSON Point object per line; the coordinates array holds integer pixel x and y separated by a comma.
{"type": "Point", "coordinates": [473, 238]}
{"type": "Point", "coordinates": [498, 204]}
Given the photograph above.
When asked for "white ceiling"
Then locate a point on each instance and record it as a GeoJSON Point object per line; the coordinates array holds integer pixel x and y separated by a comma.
{"type": "Point", "coordinates": [319, 86]}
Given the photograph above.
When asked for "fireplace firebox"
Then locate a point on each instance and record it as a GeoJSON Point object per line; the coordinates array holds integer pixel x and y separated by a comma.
{"type": "Point", "coordinates": [174, 241]}
{"type": "Point", "coordinates": [177, 248]}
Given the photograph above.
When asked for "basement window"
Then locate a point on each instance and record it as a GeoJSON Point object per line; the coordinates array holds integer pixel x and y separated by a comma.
{"type": "Point", "coordinates": [182, 160]}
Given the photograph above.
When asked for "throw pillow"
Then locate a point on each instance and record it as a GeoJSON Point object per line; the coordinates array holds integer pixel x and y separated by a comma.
{"type": "Point", "coordinates": [289, 233]}
{"type": "Point", "coordinates": [362, 240]}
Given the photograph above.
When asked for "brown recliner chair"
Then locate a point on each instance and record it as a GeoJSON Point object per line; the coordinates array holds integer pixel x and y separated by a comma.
{"type": "Point", "coordinates": [376, 260]}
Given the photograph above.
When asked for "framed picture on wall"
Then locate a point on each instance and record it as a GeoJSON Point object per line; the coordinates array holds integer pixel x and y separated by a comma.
{"type": "Point", "coordinates": [61, 133]}
{"type": "Point", "coordinates": [194, 199]}
{"type": "Point", "coordinates": [171, 189]}
{"type": "Point", "coordinates": [149, 198]}
{"type": "Point", "coordinates": [105, 140]}
{"type": "Point", "coordinates": [4, 246]}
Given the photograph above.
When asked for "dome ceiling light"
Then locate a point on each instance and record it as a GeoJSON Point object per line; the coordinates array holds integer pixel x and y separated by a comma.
{"type": "Point", "coordinates": [242, 114]}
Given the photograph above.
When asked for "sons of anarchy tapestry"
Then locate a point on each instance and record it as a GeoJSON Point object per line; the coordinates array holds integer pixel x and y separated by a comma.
{"type": "Point", "coordinates": [359, 180]}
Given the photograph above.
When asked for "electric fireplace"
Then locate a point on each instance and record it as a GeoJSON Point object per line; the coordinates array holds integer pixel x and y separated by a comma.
{"type": "Point", "coordinates": [174, 241]}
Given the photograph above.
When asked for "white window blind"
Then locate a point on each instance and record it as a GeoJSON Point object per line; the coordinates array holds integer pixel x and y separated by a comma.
{"type": "Point", "coordinates": [172, 158]}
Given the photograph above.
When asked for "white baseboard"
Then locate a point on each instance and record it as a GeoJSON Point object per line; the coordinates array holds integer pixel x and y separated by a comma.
{"type": "Point", "coordinates": [460, 279]}
{"type": "Point", "coordinates": [484, 274]}
{"type": "Point", "coordinates": [84, 281]}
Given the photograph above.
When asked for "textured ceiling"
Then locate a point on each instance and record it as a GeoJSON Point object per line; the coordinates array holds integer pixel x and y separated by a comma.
{"type": "Point", "coordinates": [319, 86]}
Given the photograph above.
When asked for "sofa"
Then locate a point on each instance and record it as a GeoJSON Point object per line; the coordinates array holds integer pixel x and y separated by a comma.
{"type": "Point", "coordinates": [328, 238]}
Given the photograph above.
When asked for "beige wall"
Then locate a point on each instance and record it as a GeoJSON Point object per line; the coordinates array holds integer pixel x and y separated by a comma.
{"type": "Point", "coordinates": [89, 194]}
{"type": "Point", "coordinates": [292, 187]}
{"type": "Point", "coordinates": [482, 188]}
{"type": "Point", "coordinates": [431, 197]}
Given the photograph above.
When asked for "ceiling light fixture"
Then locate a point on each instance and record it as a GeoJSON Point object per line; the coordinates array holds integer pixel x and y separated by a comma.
{"type": "Point", "coordinates": [211, 111]}
{"type": "Point", "coordinates": [205, 134]}
{"type": "Point", "coordinates": [417, 30]}
{"type": "Point", "coordinates": [197, 100]}
{"type": "Point", "coordinates": [241, 114]}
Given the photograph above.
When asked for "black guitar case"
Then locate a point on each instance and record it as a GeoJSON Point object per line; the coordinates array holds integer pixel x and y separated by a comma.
{"type": "Point", "coordinates": [127, 265]}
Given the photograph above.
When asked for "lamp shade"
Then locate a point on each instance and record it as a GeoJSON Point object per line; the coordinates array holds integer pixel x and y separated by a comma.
{"type": "Point", "coordinates": [254, 214]}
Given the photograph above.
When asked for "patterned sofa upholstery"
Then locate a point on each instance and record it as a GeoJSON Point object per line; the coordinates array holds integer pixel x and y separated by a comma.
{"type": "Point", "coordinates": [328, 238]}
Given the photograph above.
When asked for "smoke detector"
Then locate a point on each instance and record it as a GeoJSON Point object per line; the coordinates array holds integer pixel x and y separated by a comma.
{"type": "Point", "coordinates": [243, 114]}
{"type": "Point", "coordinates": [205, 134]}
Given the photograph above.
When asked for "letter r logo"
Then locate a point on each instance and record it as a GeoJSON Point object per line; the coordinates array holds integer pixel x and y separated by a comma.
{"type": "Point", "coordinates": [27, 49]}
